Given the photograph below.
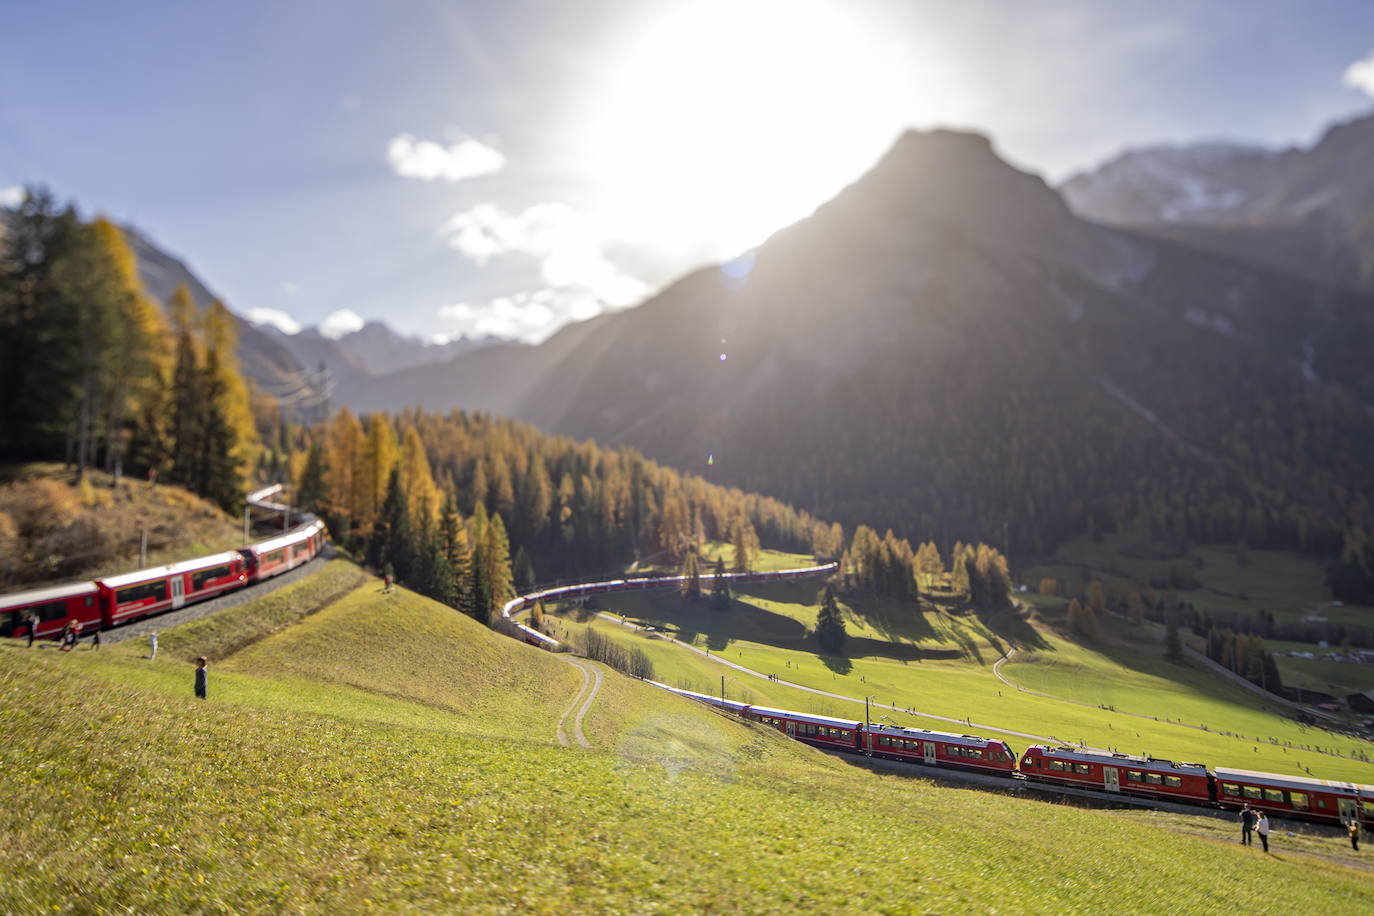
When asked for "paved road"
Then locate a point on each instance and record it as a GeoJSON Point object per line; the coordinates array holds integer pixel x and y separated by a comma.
{"type": "Point", "coordinates": [159, 622]}
{"type": "Point", "coordinates": [586, 693]}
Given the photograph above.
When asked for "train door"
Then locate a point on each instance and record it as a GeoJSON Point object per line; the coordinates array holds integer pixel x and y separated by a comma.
{"type": "Point", "coordinates": [791, 729]}
{"type": "Point", "coordinates": [178, 595]}
{"type": "Point", "coordinates": [928, 747]}
{"type": "Point", "coordinates": [1111, 779]}
{"type": "Point", "coordinates": [1349, 809]}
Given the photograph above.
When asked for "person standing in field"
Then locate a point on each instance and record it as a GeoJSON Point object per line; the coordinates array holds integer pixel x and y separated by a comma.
{"type": "Point", "coordinates": [33, 629]}
{"type": "Point", "coordinates": [202, 676]}
{"type": "Point", "coordinates": [152, 645]}
{"type": "Point", "coordinates": [1262, 828]}
{"type": "Point", "coordinates": [1247, 824]}
{"type": "Point", "coordinates": [1353, 828]}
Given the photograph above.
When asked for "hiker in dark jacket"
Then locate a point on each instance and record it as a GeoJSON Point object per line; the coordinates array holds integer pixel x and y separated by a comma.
{"type": "Point", "coordinates": [1247, 824]}
{"type": "Point", "coordinates": [201, 677]}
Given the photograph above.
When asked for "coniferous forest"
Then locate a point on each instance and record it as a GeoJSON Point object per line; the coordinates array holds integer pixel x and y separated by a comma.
{"type": "Point", "coordinates": [466, 508]}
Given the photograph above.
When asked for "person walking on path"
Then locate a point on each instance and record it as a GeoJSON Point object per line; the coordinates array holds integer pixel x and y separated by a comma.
{"type": "Point", "coordinates": [201, 677]}
{"type": "Point", "coordinates": [152, 645]}
{"type": "Point", "coordinates": [1353, 828]}
{"type": "Point", "coordinates": [1262, 828]}
{"type": "Point", "coordinates": [95, 640]}
{"type": "Point", "coordinates": [1247, 824]}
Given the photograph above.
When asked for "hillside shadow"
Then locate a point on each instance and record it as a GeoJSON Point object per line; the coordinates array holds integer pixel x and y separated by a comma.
{"type": "Point", "coordinates": [1015, 630]}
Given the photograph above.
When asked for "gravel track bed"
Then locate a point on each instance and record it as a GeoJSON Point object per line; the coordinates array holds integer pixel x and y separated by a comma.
{"type": "Point", "coordinates": [166, 619]}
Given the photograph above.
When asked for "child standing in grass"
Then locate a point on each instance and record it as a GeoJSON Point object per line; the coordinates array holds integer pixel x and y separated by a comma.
{"type": "Point", "coordinates": [201, 677]}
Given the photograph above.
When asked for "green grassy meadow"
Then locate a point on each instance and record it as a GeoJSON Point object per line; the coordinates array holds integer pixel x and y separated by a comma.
{"type": "Point", "coordinates": [1114, 694]}
{"type": "Point", "coordinates": [380, 751]}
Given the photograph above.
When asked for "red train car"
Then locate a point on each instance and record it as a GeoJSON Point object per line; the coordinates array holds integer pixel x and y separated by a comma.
{"type": "Point", "coordinates": [1123, 773]}
{"type": "Point", "coordinates": [56, 607]}
{"type": "Point", "coordinates": [1295, 796]}
{"type": "Point", "coordinates": [1145, 776]}
{"type": "Point", "coordinates": [919, 745]}
{"type": "Point", "coordinates": [147, 591]}
{"type": "Point", "coordinates": [277, 555]}
{"type": "Point", "coordinates": [822, 731]}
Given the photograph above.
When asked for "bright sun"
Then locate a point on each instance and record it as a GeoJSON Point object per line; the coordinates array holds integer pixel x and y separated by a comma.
{"type": "Point", "coordinates": [724, 120]}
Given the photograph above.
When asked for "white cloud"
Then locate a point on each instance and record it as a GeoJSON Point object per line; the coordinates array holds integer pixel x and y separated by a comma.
{"type": "Point", "coordinates": [340, 323]}
{"type": "Point", "coordinates": [528, 316]}
{"type": "Point", "coordinates": [411, 157]}
{"type": "Point", "coordinates": [1360, 75]}
{"type": "Point", "coordinates": [275, 318]}
{"type": "Point", "coordinates": [11, 197]}
{"type": "Point", "coordinates": [569, 248]}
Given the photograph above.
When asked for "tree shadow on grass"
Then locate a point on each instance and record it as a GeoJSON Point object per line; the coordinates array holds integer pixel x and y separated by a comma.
{"type": "Point", "coordinates": [1010, 627]}
{"type": "Point", "coordinates": [837, 663]}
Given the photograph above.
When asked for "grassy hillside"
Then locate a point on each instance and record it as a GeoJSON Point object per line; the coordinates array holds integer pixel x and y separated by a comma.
{"type": "Point", "coordinates": [387, 752]}
{"type": "Point", "coordinates": [1113, 693]}
{"type": "Point", "coordinates": [51, 530]}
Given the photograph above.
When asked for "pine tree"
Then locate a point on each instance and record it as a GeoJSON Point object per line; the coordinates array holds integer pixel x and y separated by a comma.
{"type": "Point", "coordinates": [310, 489]}
{"type": "Point", "coordinates": [216, 475]}
{"type": "Point", "coordinates": [188, 392]}
{"type": "Point", "coordinates": [497, 572]}
{"type": "Point", "coordinates": [378, 461]}
{"type": "Point", "coordinates": [1173, 644]}
{"type": "Point", "coordinates": [830, 631]}
{"type": "Point", "coordinates": [720, 587]}
{"type": "Point", "coordinates": [691, 576]}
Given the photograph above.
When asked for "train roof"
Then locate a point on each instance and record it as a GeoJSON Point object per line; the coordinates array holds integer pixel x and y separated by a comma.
{"type": "Point", "coordinates": [925, 734]}
{"type": "Point", "coordinates": [44, 595]}
{"type": "Point", "coordinates": [1114, 759]}
{"type": "Point", "coordinates": [806, 717]}
{"type": "Point", "coordinates": [144, 575]}
{"type": "Point", "coordinates": [294, 536]}
{"type": "Point", "coordinates": [1304, 783]}
{"type": "Point", "coordinates": [735, 705]}
{"type": "Point", "coordinates": [542, 637]}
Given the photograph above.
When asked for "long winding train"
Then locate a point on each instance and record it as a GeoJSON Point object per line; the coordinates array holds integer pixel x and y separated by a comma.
{"type": "Point", "coordinates": [102, 603]}
{"type": "Point", "coordinates": [1114, 774]}
{"type": "Point", "coordinates": [113, 600]}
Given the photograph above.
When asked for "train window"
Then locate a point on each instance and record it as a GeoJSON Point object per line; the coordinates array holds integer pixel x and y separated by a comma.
{"type": "Point", "coordinates": [1154, 779]}
{"type": "Point", "coordinates": [1297, 799]}
{"type": "Point", "coordinates": [1250, 791]}
{"type": "Point", "coordinates": [1273, 795]}
{"type": "Point", "coordinates": [1230, 788]}
{"type": "Point", "coordinates": [1321, 803]}
{"type": "Point", "coordinates": [974, 753]}
{"type": "Point", "coordinates": [1082, 768]}
{"type": "Point", "coordinates": [133, 593]}
{"type": "Point", "coordinates": [201, 576]}
{"type": "Point", "coordinates": [1368, 808]}
{"type": "Point", "coordinates": [1173, 781]}
{"type": "Point", "coordinates": [1133, 776]}
{"type": "Point", "coordinates": [53, 610]}
{"type": "Point", "coordinates": [90, 600]}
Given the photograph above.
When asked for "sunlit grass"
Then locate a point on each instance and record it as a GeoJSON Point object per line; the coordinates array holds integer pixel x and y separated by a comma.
{"type": "Point", "coordinates": [386, 752]}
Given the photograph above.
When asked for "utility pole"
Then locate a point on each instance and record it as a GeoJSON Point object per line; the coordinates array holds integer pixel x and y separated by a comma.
{"type": "Point", "coordinates": [245, 525]}
{"type": "Point", "coordinates": [143, 550]}
{"type": "Point", "coordinates": [722, 688]}
{"type": "Point", "coordinates": [866, 721]}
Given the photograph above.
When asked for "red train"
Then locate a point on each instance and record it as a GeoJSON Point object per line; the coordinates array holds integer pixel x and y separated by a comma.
{"type": "Point", "coordinates": [118, 599]}
{"type": "Point", "coordinates": [1119, 774]}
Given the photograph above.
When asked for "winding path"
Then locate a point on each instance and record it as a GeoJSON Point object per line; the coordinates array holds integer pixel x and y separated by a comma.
{"type": "Point", "coordinates": [586, 694]}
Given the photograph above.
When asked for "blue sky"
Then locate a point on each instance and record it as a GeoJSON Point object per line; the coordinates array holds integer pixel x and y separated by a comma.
{"type": "Point", "coordinates": [506, 167]}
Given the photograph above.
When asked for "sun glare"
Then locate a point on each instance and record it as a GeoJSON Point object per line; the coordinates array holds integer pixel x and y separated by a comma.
{"type": "Point", "coordinates": [721, 122]}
